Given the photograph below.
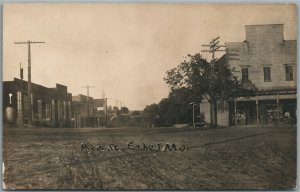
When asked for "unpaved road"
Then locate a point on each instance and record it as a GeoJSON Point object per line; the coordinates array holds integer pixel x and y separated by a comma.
{"type": "Point", "coordinates": [229, 158]}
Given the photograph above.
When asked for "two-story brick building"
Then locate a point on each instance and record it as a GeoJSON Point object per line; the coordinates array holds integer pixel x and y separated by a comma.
{"type": "Point", "coordinates": [269, 61]}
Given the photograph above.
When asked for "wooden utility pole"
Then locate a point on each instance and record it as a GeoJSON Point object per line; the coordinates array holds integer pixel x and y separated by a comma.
{"type": "Point", "coordinates": [88, 99]}
{"type": "Point", "coordinates": [106, 110]}
{"type": "Point", "coordinates": [88, 103]}
{"type": "Point", "coordinates": [29, 78]}
{"type": "Point", "coordinates": [213, 47]}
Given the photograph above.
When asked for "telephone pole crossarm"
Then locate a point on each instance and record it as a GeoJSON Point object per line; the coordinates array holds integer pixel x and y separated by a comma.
{"type": "Point", "coordinates": [26, 42]}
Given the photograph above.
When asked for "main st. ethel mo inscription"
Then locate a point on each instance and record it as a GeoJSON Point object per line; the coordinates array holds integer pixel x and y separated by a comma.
{"type": "Point", "coordinates": [133, 147]}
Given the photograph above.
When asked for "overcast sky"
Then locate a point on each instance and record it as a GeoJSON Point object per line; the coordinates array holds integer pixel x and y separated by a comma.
{"type": "Point", "coordinates": [122, 49]}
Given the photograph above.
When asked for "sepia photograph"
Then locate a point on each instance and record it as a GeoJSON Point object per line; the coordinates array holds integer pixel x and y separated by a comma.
{"type": "Point", "coordinates": [149, 96]}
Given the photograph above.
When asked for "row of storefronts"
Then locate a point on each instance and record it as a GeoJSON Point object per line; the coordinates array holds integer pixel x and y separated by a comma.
{"type": "Point", "coordinates": [50, 107]}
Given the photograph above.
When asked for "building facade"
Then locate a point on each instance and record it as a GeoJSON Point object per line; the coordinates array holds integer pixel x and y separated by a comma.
{"type": "Point", "coordinates": [268, 61]}
{"type": "Point", "coordinates": [50, 106]}
{"type": "Point", "coordinates": [90, 112]}
{"type": "Point", "coordinates": [100, 112]}
{"type": "Point", "coordinates": [82, 110]}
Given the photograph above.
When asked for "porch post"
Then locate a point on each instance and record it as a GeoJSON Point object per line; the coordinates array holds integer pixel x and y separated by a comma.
{"type": "Point", "coordinates": [277, 98]}
{"type": "Point", "coordinates": [53, 112]}
{"type": "Point", "coordinates": [257, 110]}
{"type": "Point", "coordinates": [193, 115]}
{"type": "Point", "coordinates": [20, 109]}
{"type": "Point", "coordinates": [40, 111]}
{"type": "Point", "coordinates": [235, 120]}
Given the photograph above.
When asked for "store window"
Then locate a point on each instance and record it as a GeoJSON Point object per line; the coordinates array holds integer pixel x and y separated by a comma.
{"type": "Point", "coordinates": [245, 74]}
{"type": "Point", "coordinates": [289, 73]}
{"type": "Point", "coordinates": [267, 73]}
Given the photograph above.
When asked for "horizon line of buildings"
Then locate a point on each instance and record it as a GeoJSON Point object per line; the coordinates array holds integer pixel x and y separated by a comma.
{"type": "Point", "coordinates": [52, 107]}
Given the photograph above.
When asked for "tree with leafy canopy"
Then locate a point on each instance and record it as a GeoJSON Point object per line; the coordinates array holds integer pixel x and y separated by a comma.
{"type": "Point", "coordinates": [124, 110]}
{"type": "Point", "coordinates": [168, 112]}
{"type": "Point", "coordinates": [196, 76]}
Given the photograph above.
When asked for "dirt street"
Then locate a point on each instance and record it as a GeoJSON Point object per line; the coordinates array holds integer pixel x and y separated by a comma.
{"type": "Point", "coordinates": [145, 158]}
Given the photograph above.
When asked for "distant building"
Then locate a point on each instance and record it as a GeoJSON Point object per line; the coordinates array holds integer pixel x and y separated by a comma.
{"type": "Point", "coordinates": [82, 110]}
{"type": "Point", "coordinates": [99, 106]}
{"type": "Point", "coordinates": [269, 62]}
{"type": "Point", "coordinates": [101, 111]}
{"type": "Point", "coordinates": [50, 106]}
